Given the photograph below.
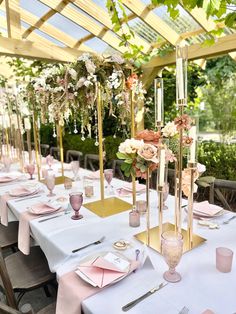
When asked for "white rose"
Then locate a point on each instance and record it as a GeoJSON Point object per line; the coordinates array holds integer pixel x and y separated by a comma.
{"type": "Point", "coordinates": [169, 130]}
{"type": "Point", "coordinates": [90, 66]}
{"type": "Point", "coordinates": [80, 82]}
{"type": "Point", "coordinates": [73, 73]}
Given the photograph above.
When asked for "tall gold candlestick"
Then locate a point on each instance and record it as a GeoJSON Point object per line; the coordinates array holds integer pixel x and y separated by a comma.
{"type": "Point", "coordinates": [36, 142]}
{"type": "Point", "coordinates": [192, 166]}
{"type": "Point", "coordinates": [132, 113]}
{"type": "Point", "coordinates": [160, 207]}
{"type": "Point", "coordinates": [100, 135]}
{"type": "Point", "coordinates": [148, 207]}
{"type": "Point", "coordinates": [61, 149]}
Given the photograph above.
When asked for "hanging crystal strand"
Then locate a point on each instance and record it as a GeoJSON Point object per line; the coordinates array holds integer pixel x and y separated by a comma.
{"type": "Point", "coordinates": [96, 128]}
{"type": "Point", "coordinates": [82, 128]}
{"type": "Point", "coordinates": [75, 127]}
{"type": "Point", "coordinates": [54, 131]}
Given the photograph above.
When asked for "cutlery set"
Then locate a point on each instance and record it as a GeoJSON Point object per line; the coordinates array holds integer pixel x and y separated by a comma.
{"type": "Point", "coordinates": [87, 245]}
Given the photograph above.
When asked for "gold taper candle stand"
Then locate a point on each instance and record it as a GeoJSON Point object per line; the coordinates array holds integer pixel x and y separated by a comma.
{"type": "Point", "coordinates": [28, 137]}
{"type": "Point", "coordinates": [147, 207]}
{"type": "Point", "coordinates": [160, 211]}
{"type": "Point", "coordinates": [61, 150]}
{"type": "Point", "coordinates": [36, 142]}
{"type": "Point", "coordinates": [112, 205]}
{"type": "Point", "coordinates": [132, 116]}
{"type": "Point", "coordinates": [100, 137]}
{"type": "Point", "coordinates": [192, 166]}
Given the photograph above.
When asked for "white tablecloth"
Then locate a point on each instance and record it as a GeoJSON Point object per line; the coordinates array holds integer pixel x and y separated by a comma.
{"type": "Point", "coordinates": [202, 285]}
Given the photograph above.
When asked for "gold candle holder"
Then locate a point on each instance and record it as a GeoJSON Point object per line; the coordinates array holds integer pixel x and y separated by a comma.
{"type": "Point", "coordinates": [132, 113]}
{"type": "Point", "coordinates": [160, 213]}
{"type": "Point", "coordinates": [148, 207]}
{"type": "Point", "coordinates": [61, 149]}
{"type": "Point", "coordinates": [36, 142]}
{"type": "Point", "coordinates": [192, 166]}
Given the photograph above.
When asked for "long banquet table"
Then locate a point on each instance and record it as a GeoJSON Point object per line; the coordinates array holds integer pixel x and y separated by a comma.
{"type": "Point", "coordinates": [202, 285]}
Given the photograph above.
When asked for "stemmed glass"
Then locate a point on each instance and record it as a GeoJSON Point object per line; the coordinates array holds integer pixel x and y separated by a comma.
{"type": "Point", "coordinates": [75, 168]}
{"type": "Point", "coordinates": [108, 174]}
{"type": "Point", "coordinates": [7, 163]}
{"type": "Point", "coordinates": [30, 169]}
{"type": "Point", "coordinates": [172, 249]}
{"type": "Point", "coordinates": [49, 161]}
{"type": "Point", "coordinates": [50, 183]}
{"type": "Point", "coordinates": [76, 201]}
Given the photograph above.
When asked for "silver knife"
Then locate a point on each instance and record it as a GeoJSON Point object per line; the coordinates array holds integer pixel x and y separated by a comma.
{"type": "Point", "coordinates": [131, 304]}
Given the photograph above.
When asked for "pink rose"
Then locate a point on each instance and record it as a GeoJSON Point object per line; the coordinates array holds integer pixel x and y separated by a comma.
{"type": "Point", "coordinates": [148, 136]}
{"type": "Point", "coordinates": [148, 152]}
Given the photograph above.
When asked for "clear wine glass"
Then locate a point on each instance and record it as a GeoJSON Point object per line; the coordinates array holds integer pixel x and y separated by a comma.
{"type": "Point", "coordinates": [108, 174]}
{"type": "Point", "coordinates": [76, 201]}
{"type": "Point", "coordinates": [75, 168]}
{"type": "Point", "coordinates": [49, 161]}
{"type": "Point", "coordinates": [172, 249]}
{"type": "Point", "coordinates": [7, 163]}
{"type": "Point", "coordinates": [50, 183]}
{"type": "Point", "coordinates": [30, 169]}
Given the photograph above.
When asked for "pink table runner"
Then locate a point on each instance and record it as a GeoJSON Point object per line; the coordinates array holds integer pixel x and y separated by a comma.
{"type": "Point", "coordinates": [72, 290]}
{"type": "Point", "coordinates": [4, 209]}
{"type": "Point", "coordinates": [24, 230]}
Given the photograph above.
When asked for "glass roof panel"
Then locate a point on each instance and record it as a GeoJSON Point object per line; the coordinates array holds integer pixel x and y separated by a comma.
{"type": "Point", "coordinates": [67, 26]}
{"type": "Point", "coordinates": [97, 44]}
{"type": "Point", "coordinates": [35, 7]}
{"type": "Point", "coordinates": [53, 40]}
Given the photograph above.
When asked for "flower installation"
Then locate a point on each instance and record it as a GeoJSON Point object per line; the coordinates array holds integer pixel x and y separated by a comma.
{"type": "Point", "coordinates": [65, 91]}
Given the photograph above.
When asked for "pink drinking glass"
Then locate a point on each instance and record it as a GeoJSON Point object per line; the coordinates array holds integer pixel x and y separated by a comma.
{"type": "Point", "coordinates": [30, 169]}
{"type": "Point", "coordinates": [49, 161]}
{"type": "Point", "coordinates": [172, 249]}
{"type": "Point", "coordinates": [76, 201]}
{"type": "Point", "coordinates": [50, 183]}
{"type": "Point", "coordinates": [75, 168]}
{"type": "Point", "coordinates": [7, 163]}
{"type": "Point", "coordinates": [108, 174]}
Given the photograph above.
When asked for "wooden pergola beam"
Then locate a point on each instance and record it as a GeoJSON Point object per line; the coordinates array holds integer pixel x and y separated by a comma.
{"type": "Point", "coordinates": [13, 18]}
{"type": "Point", "coordinates": [87, 23]}
{"type": "Point", "coordinates": [224, 45]}
{"type": "Point", "coordinates": [145, 13]}
{"type": "Point", "coordinates": [99, 14]}
{"type": "Point", "coordinates": [37, 50]}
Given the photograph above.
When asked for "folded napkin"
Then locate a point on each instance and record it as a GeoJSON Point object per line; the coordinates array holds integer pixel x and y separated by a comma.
{"type": "Point", "coordinates": [4, 209]}
{"type": "Point", "coordinates": [24, 191]}
{"type": "Point", "coordinates": [94, 175]}
{"type": "Point", "coordinates": [5, 179]}
{"type": "Point", "coordinates": [208, 312]}
{"type": "Point", "coordinates": [206, 208]}
{"type": "Point", "coordinates": [101, 271]}
{"type": "Point", "coordinates": [24, 227]}
{"type": "Point", "coordinates": [72, 290]}
{"type": "Point", "coordinates": [139, 187]}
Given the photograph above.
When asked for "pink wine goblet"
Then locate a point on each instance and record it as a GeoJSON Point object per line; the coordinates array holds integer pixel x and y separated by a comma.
{"type": "Point", "coordinates": [50, 183]}
{"type": "Point", "coordinates": [172, 249]}
{"type": "Point", "coordinates": [30, 169]}
{"type": "Point", "coordinates": [76, 201]}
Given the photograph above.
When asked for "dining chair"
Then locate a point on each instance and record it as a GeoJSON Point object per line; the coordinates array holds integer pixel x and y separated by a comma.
{"type": "Point", "coordinates": [116, 163]}
{"type": "Point", "coordinates": [9, 236]}
{"type": "Point", "coordinates": [44, 149]}
{"type": "Point", "coordinates": [55, 152]}
{"type": "Point", "coordinates": [91, 162]}
{"type": "Point", "coordinates": [27, 309]}
{"type": "Point", "coordinates": [22, 273]}
{"type": "Point", "coordinates": [73, 155]}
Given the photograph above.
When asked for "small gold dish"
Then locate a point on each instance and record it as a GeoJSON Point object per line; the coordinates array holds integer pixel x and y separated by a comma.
{"type": "Point", "coordinates": [120, 245]}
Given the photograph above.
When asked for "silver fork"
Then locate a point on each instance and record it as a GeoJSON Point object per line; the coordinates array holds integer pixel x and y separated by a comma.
{"type": "Point", "coordinates": [184, 310]}
{"type": "Point", "coordinates": [228, 220]}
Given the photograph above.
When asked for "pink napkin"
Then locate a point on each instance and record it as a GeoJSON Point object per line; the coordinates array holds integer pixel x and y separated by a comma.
{"type": "Point", "coordinates": [24, 227]}
{"type": "Point", "coordinates": [94, 175]}
{"type": "Point", "coordinates": [6, 179]}
{"type": "Point", "coordinates": [4, 209]}
{"type": "Point", "coordinates": [206, 208]}
{"type": "Point", "coordinates": [139, 187]}
{"type": "Point", "coordinates": [208, 312]}
{"type": "Point", "coordinates": [72, 290]}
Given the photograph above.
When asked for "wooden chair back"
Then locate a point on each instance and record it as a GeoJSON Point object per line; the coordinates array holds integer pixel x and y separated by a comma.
{"type": "Point", "coordinates": [55, 152]}
{"type": "Point", "coordinates": [91, 162]}
{"type": "Point", "coordinates": [11, 300]}
{"type": "Point", "coordinates": [73, 155]}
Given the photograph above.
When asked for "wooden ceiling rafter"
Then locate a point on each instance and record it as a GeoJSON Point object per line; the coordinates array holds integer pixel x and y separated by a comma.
{"type": "Point", "coordinates": [13, 18]}
{"type": "Point", "coordinates": [146, 15]}
{"type": "Point", "coordinates": [99, 14]}
{"type": "Point", "coordinates": [52, 31]}
{"type": "Point", "coordinates": [88, 24]}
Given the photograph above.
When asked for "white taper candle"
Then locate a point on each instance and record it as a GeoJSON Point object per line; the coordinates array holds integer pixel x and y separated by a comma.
{"type": "Point", "coordinates": [193, 135]}
{"type": "Point", "coordinates": [162, 167]}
